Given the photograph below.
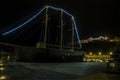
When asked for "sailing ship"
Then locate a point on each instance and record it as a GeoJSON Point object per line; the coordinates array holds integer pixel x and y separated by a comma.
{"type": "Point", "coordinates": [45, 52]}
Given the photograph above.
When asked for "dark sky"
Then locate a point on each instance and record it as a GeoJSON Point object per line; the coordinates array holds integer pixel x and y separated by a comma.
{"type": "Point", "coordinates": [94, 17]}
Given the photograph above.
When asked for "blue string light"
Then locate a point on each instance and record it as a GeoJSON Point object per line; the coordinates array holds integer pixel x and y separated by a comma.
{"type": "Point", "coordinates": [10, 31]}
{"type": "Point", "coordinates": [54, 8]}
{"type": "Point", "coordinates": [73, 22]}
{"type": "Point", "coordinates": [68, 13]}
{"type": "Point", "coordinates": [76, 30]}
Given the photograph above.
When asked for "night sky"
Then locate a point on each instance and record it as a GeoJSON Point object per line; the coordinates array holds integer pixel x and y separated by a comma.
{"type": "Point", "coordinates": [94, 17]}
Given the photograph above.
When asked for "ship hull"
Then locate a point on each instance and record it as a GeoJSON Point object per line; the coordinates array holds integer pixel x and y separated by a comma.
{"type": "Point", "coordinates": [31, 54]}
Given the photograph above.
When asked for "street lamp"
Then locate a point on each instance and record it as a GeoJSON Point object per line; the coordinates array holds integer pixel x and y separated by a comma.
{"type": "Point", "coordinates": [106, 38]}
{"type": "Point", "coordinates": [1, 69]}
{"type": "Point", "coordinates": [3, 77]}
{"type": "Point", "coordinates": [1, 64]}
{"type": "Point", "coordinates": [99, 53]}
{"type": "Point", "coordinates": [111, 53]}
{"type": "Point", "coordinates": [90, 53]}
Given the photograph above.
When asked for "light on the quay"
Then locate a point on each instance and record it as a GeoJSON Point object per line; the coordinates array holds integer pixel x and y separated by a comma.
{"type": "Point", "coordinates": [99, 53]}
{"type": "Point", "coordinates": [1, 69]}
{"type": "Point", "coordinates": [3, 77]}
{"type": "Point", "coordinates": [0, 61]}
{"type": "Point", "coordinates": [90, 53]}
{"type": "Point", "coordinates": [1, 64]}
{"type": "Point", "coordinates": [110, 53]}
{"type": "Point", "coordinates": [106, 38]}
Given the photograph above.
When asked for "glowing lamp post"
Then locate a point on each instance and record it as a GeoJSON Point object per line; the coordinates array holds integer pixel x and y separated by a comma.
{"type": "Point", "coordinates": [1, 69]}
{"type": "Point", "coordinates": [3, 77]}
{"type": "Point", "coordinates": [90, 53]}
{"type": "Point", "coordinates": [110, 53]}
{"type": "Point", "coordinates": [99, 53]}
{"type": "Point", "coordinates": [1, 64]}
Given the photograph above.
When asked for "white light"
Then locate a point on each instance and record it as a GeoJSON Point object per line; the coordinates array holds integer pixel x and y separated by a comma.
{"type": "Point", "coordinates": [99, 53]}
{"type": "Point", "coordinates": [90, 53]}
{"type": "Point", "coordinates": [3, 77]}
{"type": "Point", "coordinates": [106, 38]}
{"type": "Point", "coordinates": [110, 53]}
{"type": "Point", "coordinates": [1, 69]}
{"type": "Point", "coordinates": [1, 64]}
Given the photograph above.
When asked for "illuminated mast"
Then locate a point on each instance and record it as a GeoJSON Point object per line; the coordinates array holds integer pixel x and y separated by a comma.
{"type": "Point", "coordinates": [61, 38]}
{"type": "Point", "coordinates": [46, 24]}
{"type": "Point", "coordinates": [72, 35]}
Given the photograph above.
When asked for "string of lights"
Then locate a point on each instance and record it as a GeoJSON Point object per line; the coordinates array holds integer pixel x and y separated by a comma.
{"type": "Point", "coordinates": [10, 31]}
{"type": "Point", "coordinates": [33, 17]}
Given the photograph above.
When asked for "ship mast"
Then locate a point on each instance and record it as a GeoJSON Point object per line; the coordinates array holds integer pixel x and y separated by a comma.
{"type": "Point", "coordinates": [61, 38]}
{"type": "Point", "coordinates": [72, 34]}
{"type": "Point", "coordinates": [46, 24]}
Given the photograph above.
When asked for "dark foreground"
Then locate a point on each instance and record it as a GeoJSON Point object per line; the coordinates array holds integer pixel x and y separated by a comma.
{"type": "Point", "coordinates": [57, 71]}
